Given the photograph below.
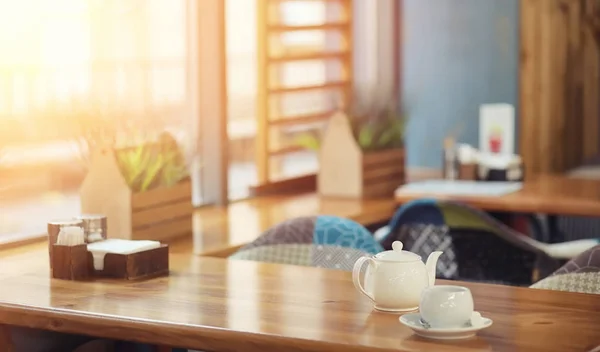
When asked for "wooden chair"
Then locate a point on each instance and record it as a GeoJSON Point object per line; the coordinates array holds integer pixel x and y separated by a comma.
{"type": "Point", "coordinates": [476, 246]}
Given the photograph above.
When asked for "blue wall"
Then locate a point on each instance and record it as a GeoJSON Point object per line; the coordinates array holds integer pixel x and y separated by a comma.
{"type": "Point", "coordinates": [456, 55]}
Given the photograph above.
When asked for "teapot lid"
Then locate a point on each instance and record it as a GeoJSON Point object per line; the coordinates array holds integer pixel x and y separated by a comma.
{"type": "Point", "coordinates": [397, 254]}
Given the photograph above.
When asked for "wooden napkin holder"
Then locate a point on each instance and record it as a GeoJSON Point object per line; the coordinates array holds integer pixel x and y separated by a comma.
{"type": "Point", "coordinates": [71, 262]}
{"type": "Point", "coordinates": [145, 264]}
{"type": "Point", "coordinates": [76, 263]}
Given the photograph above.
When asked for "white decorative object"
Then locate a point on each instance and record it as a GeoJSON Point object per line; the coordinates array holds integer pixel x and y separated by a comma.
{"type": "Point", "coordinates": [497, 128]}
{"type": "Point", "coordinates": [395, 279]}
{"type": "Point", "coordinates": [347, 171]}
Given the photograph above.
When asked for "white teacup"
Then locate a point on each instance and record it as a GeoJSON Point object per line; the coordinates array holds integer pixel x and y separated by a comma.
{"type": "Point", "coordinates": [446, 306]}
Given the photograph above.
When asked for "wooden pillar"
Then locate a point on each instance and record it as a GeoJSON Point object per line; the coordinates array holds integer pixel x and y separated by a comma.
{"type": "Point", "coordinates": [559, 79]}
{"type": "Point", "coordinates": [591, 78]}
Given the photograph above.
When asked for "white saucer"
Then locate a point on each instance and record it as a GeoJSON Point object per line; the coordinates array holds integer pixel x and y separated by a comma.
{"type": "Point", "coordinates": [413, 321]}
{"type": "Point", "coordinates": [404, 310]}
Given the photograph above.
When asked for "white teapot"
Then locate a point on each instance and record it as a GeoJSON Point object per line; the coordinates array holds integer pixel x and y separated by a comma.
{"type": "Point", "coordinates": [395, 279]}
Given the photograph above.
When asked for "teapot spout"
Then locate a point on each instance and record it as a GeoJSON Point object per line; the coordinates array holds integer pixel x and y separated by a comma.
{"type": "Point", "coordinates": [431, 266]}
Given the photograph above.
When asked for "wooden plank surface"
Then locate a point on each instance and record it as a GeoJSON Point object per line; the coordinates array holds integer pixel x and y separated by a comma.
{"type": "Point", "coordinates": [218, 305]}
{"type": "Point", "coordinates": [386, 156]}
{"type": "Point", "coordinates": [383, 172]}
{"type": "Point", "coordinates": [529, 83]}
{"type": "Point", "coordinates": [543, 194]}
{"type": "Point", "coordinates": [162, 212]}
{"type": "Point", "coordinates": [559, 84]}
{"type": "Point", "coordinates": [159, 196]}
{"type": "Point", "coordinates": [591, 80]}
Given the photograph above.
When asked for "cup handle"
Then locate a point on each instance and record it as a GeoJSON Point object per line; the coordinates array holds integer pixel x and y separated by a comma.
{"type": "Point", "coordinates": [356, 275]}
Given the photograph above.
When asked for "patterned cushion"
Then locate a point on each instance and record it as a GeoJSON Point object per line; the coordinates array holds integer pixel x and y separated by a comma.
{"type": "Point", "coordinates": [571, 282]}
{"type": "Point", "coordinates": [320, 230]}
{"type": "Point", "coordinates": [588, 261]}
{"type": "Point", "coordinates": [298, 230]}
{"type": "Point", "coordinates": [330, 257]}
{"type": "Point", "coordinates": [476, 246]}
{"type": "Point", "coordinates": [423, 239]}
{"type": "Point", "coordinates": [336, 231]}
{"type": "Point", "coordinates": [296, 254]}
{"type": "Point", "coordinates": [472, 255]}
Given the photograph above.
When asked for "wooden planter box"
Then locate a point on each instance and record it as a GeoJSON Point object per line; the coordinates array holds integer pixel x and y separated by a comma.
{"type": "Point", "coordinates": [347, 171]}
{"type": "Point", "coordinates": [158, 214]}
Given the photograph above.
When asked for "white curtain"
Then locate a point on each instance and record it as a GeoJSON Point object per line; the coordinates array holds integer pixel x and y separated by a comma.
{"type": "Point", "coordinates": [374, 49]}
{"type": "Point", "coordinates": [69, 66]}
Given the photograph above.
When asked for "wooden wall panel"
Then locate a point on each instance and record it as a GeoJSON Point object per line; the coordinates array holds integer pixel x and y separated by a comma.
{"type": "Point", "coordinates": [559, 95]}
{"type": "Point", "coordinates": [529, 82]}
{"type": "Point", "coordinates": [591, 79]}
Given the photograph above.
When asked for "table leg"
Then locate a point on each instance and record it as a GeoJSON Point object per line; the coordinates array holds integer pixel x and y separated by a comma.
{"type": "Point", "coordinates": [6, 344]}
{"type": "Point", "coordinates": [556, 236]}
{"type": "Point", "coordinates": [538, 228]}
{"type": "Point", "coordinates": [517, 222]}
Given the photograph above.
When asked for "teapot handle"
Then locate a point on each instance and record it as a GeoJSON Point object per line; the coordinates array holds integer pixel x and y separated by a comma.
{"type": "Point", "coordinates": [356, 275]}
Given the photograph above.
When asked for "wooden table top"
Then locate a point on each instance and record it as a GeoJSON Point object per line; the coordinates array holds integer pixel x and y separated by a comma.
{"type": "Point", "coordinates": [549, 194]}
{"type": "Point", "coordinates": [219, 231]}
{"type": "Point", "coordinates": [219, 305]}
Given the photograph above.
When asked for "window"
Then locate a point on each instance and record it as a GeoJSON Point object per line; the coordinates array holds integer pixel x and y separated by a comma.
{"type": "Point", "coordinates": [139, 66]}
{"type": "Point", "coordinates": [307, 74]}
{"type": "Point", "coordinates": [290, 64]}
{"type": "Point", "coordinates": [67, 66]}
{"type": "Point", "coordinates": [289, 68]}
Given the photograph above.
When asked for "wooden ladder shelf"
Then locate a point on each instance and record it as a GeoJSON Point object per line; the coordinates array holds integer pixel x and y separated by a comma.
{"type": "Point", "coordinates": [274, 53]}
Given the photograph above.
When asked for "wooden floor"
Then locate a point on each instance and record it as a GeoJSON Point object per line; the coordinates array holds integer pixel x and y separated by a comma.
{"type": "Point", "coordinates": [220, 231]}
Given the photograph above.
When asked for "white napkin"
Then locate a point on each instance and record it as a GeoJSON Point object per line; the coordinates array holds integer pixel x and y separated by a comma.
{"type": "Point", "coordinates": [70, 236]}
{"type": "Point", "coordinates": [117, 246]}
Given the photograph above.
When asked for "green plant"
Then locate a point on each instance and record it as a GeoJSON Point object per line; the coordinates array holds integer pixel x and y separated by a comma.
{"type": "Point", "coordinates": [379, 128]}
{"type": "Point", "coordinates": [147, 155]}
{"type": "Point", "coordinates": [152, 165]}
{"type": "Point", "coordinates": [374, 128]}
{"type": "Point", "coordinates": [309, 140]}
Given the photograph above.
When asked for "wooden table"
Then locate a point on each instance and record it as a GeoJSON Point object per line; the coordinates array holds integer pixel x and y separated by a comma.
{"type": "Point", "coordinates": [218, 305]}
{"type": "Point", "coordinates": [548, 194]}
{"type": "Point", "coordinates": [220, 231]}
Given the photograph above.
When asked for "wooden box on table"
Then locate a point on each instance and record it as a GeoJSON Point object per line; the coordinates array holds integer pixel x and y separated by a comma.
{"type": "Point", "coordinates": [77, 263]}
{"type": "Point", "coordinates": [348, 171]}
